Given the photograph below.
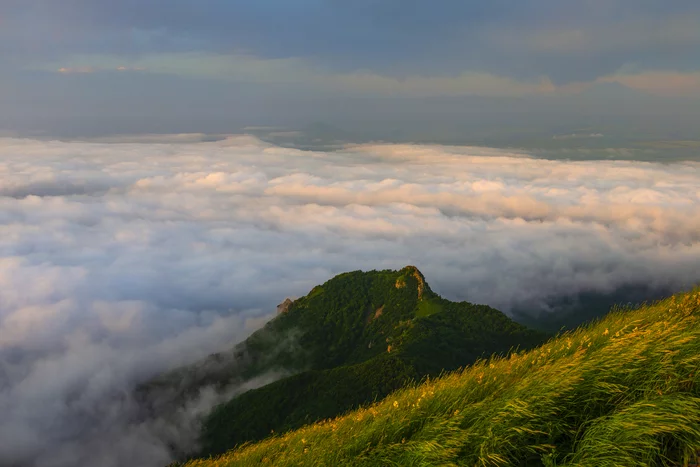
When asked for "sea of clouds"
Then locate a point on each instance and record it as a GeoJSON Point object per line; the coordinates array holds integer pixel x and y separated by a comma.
{"type": "Point", "coordinates": [120, 260]}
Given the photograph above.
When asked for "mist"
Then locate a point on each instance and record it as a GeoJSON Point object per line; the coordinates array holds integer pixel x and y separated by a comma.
{"type": "Point", "coordinates": [125, 259]}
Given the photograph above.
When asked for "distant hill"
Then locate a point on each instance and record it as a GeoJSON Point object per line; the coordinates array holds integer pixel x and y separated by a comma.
{"type": "Point", "coordinates": [621, 391]}
{"type": "Point", "coordinates": [349, 342]}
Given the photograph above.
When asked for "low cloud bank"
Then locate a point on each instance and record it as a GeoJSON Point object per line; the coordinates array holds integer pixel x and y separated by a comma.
{"type": "Point", "coordinates": [121, 261]}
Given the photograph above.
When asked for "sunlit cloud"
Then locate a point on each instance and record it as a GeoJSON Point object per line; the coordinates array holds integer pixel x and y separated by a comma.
{"type": "Point", "coordinates": [92, 69]}
{"type": "Point", "coordinates": [666, 83]}
{"type": "Point", "coordinates": [130, 68]}
{"type": "Point", "coordinates": [80, 69]}
{"type": "Point", "coordinates": [304, 74]}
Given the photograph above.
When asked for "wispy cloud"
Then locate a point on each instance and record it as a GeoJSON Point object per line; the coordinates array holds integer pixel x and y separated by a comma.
{"type": "Point", "coordinates": [666, 83]}
{"type": "Point", "coordinates": [81, 69]}
{"type": "Point", "coordinates": [94, 69]}
{"type": "Point", "coordinates": [300, 73]}
{"type": "Point", "coordinates": [578, 135]}
{"type": "Point", "coordinates": [304, 74]}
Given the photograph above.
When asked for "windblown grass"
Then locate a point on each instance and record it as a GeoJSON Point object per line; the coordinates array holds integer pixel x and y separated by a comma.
{"type": "Point", "coordinates": [623, 391]}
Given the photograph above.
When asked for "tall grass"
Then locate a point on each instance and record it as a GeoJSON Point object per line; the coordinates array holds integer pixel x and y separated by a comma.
{"type": "Point", "coordinates": [623, 391]}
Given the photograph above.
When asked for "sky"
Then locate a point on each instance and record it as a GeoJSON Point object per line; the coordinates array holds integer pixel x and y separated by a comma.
{"type": "Point", "coordinates": [175, 62]}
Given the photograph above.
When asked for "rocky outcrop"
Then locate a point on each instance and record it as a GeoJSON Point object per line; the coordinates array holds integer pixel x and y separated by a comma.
{"type": "Point", "coordinates": [284, 306]}
{"type": "Point", "coordinates": [418, 276]}
{"type": "Point", "coordinates": [379, 311]}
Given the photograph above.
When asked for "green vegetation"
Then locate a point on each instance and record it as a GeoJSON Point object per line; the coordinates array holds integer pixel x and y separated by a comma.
{"type": "Point", "coordinates": [359, 336]}
{"type": "Point", "coordinates": [622, 391]}
{"type": "Point", "coordinates": [427, 307]}
{"type": "Point", "coordinates": [349, 342]}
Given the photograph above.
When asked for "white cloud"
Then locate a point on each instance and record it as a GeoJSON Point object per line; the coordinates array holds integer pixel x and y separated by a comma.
{"type": "Point", "coordinates": [118, 261]}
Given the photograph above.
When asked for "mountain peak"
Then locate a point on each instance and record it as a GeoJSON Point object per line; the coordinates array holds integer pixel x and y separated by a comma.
{"type": "Point", "coordinates": [414, 272]}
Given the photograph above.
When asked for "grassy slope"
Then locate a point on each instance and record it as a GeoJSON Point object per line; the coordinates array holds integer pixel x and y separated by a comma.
{"type": "Point", "coordinates": [357, 355]}
{"type": "Point", "coordinates": [624, 391]}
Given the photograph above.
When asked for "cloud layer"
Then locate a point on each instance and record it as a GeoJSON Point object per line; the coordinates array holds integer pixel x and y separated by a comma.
{"type": "Point", "coordinates": [566, 42]}
{"type": "Point", "coordinates": [121, 260]}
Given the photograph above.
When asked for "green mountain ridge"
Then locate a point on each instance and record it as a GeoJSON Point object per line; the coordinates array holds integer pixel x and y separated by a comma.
{"type": "Point", "coordinates": [350, 342]}
{"type": "Point", "coordinates": [620, 391]}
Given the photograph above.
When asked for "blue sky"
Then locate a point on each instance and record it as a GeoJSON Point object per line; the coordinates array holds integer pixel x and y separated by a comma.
{"type": "Point", "coordinates": [80, 55]}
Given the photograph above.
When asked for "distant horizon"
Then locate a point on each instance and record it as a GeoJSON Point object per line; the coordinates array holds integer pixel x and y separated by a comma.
{"type": "Point", "coordinates": [565, 142]}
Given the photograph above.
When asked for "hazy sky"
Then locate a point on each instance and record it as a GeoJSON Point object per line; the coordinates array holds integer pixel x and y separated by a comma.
{"type": "Point", "coordinates": [256, 61]}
